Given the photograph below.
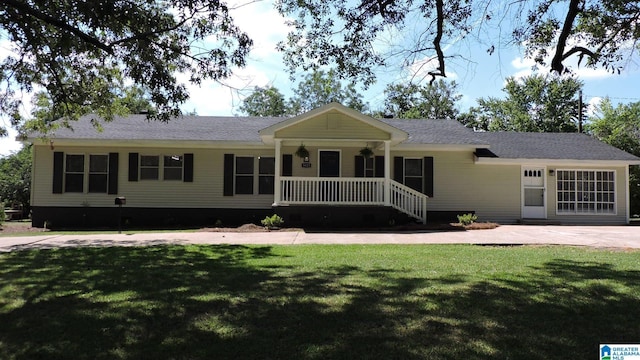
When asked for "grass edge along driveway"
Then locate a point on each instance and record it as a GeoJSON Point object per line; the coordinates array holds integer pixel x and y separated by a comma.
{"type": "Point", "coordinates": [317, 302]}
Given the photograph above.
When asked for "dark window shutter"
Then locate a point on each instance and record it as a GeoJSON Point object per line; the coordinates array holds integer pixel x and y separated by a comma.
{"type": "Point", "coordinates": [287, 165]}
{"type": "Point", "coordinates": [113, 173]}
{"type": "Point", "coordinates": [188, 167]}
{"type": "Point", "coordinates": [428, 176]}
{"type": "Point", "coordinates": [58, 171]}
{"type": "Point", "coordinates": [379, 166]}
{"type": "Point", "coordinates": [359, 166]}
{"type": "Point", "coordinates": [228, 175]}
{"type": "Point", "coordinates": [398, 169]}
{"type": "Point", "coordinates": [133, 166]}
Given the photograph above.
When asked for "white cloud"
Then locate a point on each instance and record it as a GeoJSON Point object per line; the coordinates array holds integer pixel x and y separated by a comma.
{"type": "Point", "coordinates": [594, 103]}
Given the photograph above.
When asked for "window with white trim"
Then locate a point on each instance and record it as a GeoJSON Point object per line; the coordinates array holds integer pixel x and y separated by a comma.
{"type": "Point", "coordinates": [74, 173]}
{"type": "Point", "coordinates": [266, 174]}
{"type": "Point", "coordinates": [98, 173]}
{"type": "Point", "coordinates": [369, 166]}
{"type": "Point", "coordinates": [173, 167]}
{"type": "Point", "coordinates": [244, 175]}
{"type": "Point", "coordinates": [413, 172]}
{"type": "Point", "coordinates": [149, 167]}
{"type": "Point", "coordinates": [586, 192]}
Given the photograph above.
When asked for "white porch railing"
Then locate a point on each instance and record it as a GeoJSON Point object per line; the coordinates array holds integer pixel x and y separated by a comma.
{"type": "Point", "coordinates": [351, 191]}
{"type": "Point", "coordinates": [332, 191]}
{"type": "Point", "coordinates": [409, 201]}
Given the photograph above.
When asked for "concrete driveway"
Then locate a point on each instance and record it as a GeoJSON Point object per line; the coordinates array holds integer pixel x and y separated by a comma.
{"type": "Point", "coordinates": [619, 237]}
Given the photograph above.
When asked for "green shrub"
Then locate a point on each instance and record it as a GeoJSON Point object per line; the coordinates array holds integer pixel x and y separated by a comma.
{"type": "Point", "coordinates": [271, 222]}
{"type": "Point", "coordinates": [467, 219]}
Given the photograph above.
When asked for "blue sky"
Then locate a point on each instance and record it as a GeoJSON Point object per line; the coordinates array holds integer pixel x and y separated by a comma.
{"type": "Point", "coordinates": [482, 76]}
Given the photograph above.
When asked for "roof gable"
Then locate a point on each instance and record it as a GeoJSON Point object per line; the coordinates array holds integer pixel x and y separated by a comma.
{"type": "Point", "coordinates": [333, 121]}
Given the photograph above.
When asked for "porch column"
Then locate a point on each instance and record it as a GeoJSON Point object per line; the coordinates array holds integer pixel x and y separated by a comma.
{"type": "Point", "coordinates": [387, 173]}
{"type": "Point", "coordinates": [277, 187]}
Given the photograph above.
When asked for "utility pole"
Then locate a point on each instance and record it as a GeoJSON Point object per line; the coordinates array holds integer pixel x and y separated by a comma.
{"type": "Point", "coordinates": [580, 111]}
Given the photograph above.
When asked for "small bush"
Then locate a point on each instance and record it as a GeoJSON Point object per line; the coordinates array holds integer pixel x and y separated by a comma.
{"type": "Point", "coordinates": [467, 219]}
{"type": "Point", "coordinates": [272, 222]}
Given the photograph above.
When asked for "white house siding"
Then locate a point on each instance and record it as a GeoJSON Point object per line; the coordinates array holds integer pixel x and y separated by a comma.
{"type": "Point", "coordinates": [332, 126]}
{"type": "Point", "coordinates": [492, 191]}
{"type": "Point", "coordinates": [206, 190]}
{"type": "Point", "coordinates": [621, 202]}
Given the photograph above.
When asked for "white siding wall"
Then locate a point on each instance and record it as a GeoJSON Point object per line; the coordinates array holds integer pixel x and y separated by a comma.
{"type": "Point", "coordinates": [206, 190]}
{"type": "Point", "coordinates": [493, 192]}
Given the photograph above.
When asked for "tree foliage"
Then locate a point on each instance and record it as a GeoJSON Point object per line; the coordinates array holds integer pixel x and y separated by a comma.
{"type": "Point", "coordinates": [81, 52]}
{"type": "Point", "coordinates": [535, 104]}
{"type": "Point", "coordinates": [128, 100]}
{"type": "Point", "coordinates": [620, 126]}
{"type": "Point", "coordinates": [358, 36]}
{"type": "Point", "coordinates": [265, 101]}
{"type": "Point", "coordinates": [413, 101]}
{"type": "Point", "coordinates": [314, 90]}
{"type": "Point", "coordinates": [319, 88]}
{"type": "Point", "coordinates": [15, 178]}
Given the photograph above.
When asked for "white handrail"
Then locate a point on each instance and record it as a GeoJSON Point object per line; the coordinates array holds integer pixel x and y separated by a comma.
{"type": "Point", "coordinates": [329, 190]}
{"type": "Point", "coordinates": [351, 191]}
{"type": "Point", "coordinates": [409, 201]}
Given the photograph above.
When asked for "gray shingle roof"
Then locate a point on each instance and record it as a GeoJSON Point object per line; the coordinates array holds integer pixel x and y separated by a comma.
{"type": "Point", "coordinates": [137, 127]}
{"type": "Point", "coordinates": [558, 146]}
{"type": "Point", "coordinates": [507, 145]}
{"type": "Point", "coordinates": [430, 131]}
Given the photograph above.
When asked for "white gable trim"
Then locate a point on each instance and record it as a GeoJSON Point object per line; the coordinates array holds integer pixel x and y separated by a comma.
{"type": "Point", "coordinates": [396, 135]}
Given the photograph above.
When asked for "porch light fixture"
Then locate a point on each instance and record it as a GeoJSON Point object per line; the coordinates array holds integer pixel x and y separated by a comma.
{"type": "Point", "coordinates": [552, 172]}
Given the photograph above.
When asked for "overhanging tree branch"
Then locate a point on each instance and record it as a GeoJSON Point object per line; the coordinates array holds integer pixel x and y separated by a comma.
{"type": "Point", "coordinates": [559, 56]}
{"type": "Point", "coordinates": [26, 9]}
{"type": "Point", "coordinates": [440, 70]}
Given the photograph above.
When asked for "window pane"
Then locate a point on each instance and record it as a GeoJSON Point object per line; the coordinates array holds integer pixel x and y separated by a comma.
{"type": "Point", "coordinates": [267, 165]}
{"type": "Point", "coordinates": [73, 182]}
{"type": "Point", "coordinates": [244, 165]}
{"type": "Point", "coordinates": [98, 163]}
{"type": "Point", "coordinates": [173, 173]}
{"type": "Point", "coordinates": [173, 161]}
{"type": "Point", "coordinates": [97, 183]}
{"type": "Point", "coordinates": [244, 184]}
{"type": "Point", "coordinates": [265, 185]}
{"type": "Point", "coordinates": [414, 182]}
{"type": "Point", "coordinates": [147, 160]}
{"type": "Point", "coordinates": [75, 163]}
{"type": "Point", "coordinates": [413, 167]}
{"type": "Point", "coordinates": [149, 174]}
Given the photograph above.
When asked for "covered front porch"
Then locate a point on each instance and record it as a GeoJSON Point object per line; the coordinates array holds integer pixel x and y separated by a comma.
{"type": "Point", "coordinates": [333, 172]}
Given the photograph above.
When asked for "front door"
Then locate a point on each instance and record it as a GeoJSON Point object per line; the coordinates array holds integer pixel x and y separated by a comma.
{"type": "Point", "coordinates": [329, 163]}
{"type": "Point", "coordinates": [533, 193]}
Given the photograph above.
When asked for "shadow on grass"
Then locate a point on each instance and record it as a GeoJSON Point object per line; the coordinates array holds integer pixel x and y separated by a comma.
{"type": "Point", "coordinates": [172, 302]}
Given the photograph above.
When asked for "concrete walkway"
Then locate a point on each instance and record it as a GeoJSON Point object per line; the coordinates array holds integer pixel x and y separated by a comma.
{"type": "Point", "coordinates": [619, 237]}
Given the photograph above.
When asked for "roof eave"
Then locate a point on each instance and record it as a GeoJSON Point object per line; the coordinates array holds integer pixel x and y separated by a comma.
{"type": "Point", "coordinates": [553, 162]}
{"type": "Point", "coordinates": [200, 144]}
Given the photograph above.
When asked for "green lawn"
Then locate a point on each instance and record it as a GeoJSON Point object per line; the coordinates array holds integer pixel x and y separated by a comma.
{"type": "Point", "coordinates": [317, 302]}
